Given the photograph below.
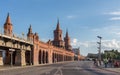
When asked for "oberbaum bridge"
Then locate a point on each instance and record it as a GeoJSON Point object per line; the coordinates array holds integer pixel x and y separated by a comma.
{"type": "Point", "coordinates": [15, 50]}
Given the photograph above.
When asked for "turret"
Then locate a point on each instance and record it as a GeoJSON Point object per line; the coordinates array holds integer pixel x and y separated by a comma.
{"type": "Point", "coordinates": [30, 34]}
{"type": "Point", "coordinates": [8, 29]}
{"type": "Point", "coordinates": [58, 36]}
{"type": "Point", "coordinates": [67, 42]}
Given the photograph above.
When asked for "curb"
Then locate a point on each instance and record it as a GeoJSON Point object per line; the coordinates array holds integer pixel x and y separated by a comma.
{"type": "Point", "coordinates": [108, 70]}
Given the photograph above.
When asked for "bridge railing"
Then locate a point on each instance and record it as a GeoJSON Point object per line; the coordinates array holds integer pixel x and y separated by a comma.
{"type": "Point", "coordinates": [21, 37]}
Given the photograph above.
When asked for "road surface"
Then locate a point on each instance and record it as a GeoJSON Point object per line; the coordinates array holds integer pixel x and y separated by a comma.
{"type": "Point", "coordinates": [68, 68]}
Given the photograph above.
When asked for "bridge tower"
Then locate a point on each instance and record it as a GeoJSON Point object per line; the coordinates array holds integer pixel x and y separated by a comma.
{"type": "Point", "coordinates": [67, 42]}
{"type": "Point", "coordinates": [58, 37]}
{"type": "Point", "coordinates": [8, 28]}
{"type": "Point", "coordinates": [30, 33]}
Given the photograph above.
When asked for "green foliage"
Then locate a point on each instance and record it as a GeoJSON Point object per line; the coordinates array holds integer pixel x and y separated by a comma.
{"type": "Point", "coordinates": [114, 54]}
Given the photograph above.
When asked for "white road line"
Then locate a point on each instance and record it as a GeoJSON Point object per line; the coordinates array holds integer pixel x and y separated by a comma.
{"type": "Point", "coordinates": [61, 71]}
{"type": "Point", "coordinates": [47, 73]}
{"type": "Point", "coordinates": [58, 72]}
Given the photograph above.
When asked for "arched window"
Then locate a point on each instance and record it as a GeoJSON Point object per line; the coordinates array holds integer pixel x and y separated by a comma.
{"type": "Point", "coordinates": [60, 35]}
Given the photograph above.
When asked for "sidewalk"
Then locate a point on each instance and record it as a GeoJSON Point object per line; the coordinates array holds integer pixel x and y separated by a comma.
{"type": "Point", "coordinates": [110, 69]}
{"type": "Point", "coordinates": [11, 67]}
{"type": "Point", "coordinates": [113, 69]}
{"type": "Point", "coordinates": [8, 67]}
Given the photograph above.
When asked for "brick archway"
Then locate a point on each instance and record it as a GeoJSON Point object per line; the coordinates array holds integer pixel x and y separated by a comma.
{"type": "Point", "coordinates": [43, 57]}
{"type": "Point", "coordinates": [40, 56]}
{"type": "Point", "coordinates": [53, 57]}
{"type": "Point", "coordinates": [46, 57]}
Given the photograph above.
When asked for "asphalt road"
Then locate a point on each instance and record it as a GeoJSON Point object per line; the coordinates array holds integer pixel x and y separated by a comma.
{"type": "Point", "coordinates": [68, 68]}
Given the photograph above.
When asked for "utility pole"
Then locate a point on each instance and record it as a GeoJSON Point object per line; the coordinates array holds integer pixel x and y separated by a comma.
{"type": "Point", "coordinates": [99, 49]}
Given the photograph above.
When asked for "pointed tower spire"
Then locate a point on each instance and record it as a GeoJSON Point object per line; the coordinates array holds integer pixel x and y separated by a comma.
{"type": "Point", "coordinates": [8, 19]}
{"type": "Point", "coordinates": [58, 25]}
{"type": "Point", "coordinates": [58, 41]}
{"type": "Point", "coordinates": [8, 28]}
{"type": "Point", "coordinates": [67, 36]}
{"type": "Point", "coordinates": [30, 34]}
{"type": "Point", "coordinates": [30, 29]}
{"type": "Point", "coordinates": [67, 41]}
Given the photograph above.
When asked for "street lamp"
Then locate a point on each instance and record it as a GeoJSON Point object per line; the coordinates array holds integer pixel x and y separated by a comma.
{"type": "Point", "coordinates": [11, 53]}
{"type": "Point", "coordinates": [99, 54]}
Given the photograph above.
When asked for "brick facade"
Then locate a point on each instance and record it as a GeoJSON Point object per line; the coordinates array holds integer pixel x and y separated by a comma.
{"type": "Point", "coordinates": [56, 50]}
{"type": "Point", "coordinates": [52, 51]}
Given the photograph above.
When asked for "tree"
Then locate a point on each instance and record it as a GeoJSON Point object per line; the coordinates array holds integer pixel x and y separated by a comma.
{"type": "Point", "coordinates": [114, 54]}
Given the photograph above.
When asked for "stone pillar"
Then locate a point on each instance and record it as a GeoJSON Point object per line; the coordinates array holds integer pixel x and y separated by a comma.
{"type": "Point", "coordinates": [73, 58]}
{"type": "Point", "coordinates": [66, 58]}
{"type": "Point", "coordinates": [50, 57]}
{"type": "Point", "coordinates": [53, 57]}
{"type": "Point", "coordinates": [58, 57]}
{"type": "Point", "coordinates": [1, 58]}
{"type": "Point", "coordinates": [44, 57]}
{"type": "Point", "coordinates": [41, 56]}
{"type": "Point", "coordinates": [63, 58]}
{"type": "Point", "coordinates": [20, 58]}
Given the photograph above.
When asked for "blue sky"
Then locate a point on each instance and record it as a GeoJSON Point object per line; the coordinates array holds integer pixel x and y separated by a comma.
{"type": "Point", "coordinates": [84, 19]}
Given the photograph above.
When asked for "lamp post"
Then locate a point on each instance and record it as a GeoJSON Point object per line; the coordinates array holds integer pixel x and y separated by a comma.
{"type": "Point", "coordinates": [99, 51]}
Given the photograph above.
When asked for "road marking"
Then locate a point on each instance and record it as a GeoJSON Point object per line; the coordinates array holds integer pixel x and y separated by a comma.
{"type": "Point", "coordinates": [58, 72]}
{"type": "Point", "coordinates": [77, 68]}
{"type": "Point", "coordinates": [47, 73]}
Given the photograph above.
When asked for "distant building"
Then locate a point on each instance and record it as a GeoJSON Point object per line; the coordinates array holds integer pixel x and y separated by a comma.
{"type": "Point", "coordinates": [77, 53]}
{"type": "Point", "coordinates": [91, 55]}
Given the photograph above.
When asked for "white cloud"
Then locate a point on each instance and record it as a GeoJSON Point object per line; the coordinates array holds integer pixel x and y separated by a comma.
{"type": "Point", "coordinates": [75, 40]}
{"type": "Point", "coordinates": [109, 30]}
{"type": "Point", "coordinates": [71, 16]}
{"type": "Point", "coordinates": [115, 18]}
{"type": "Point", "coordinates": [114, 13]}
{"type": "Point", "coordinates": [76, 43]}
{"type": "Point", "coordinates": [111, 44]}
{"type": "Point", "coordinates": [91, 46]}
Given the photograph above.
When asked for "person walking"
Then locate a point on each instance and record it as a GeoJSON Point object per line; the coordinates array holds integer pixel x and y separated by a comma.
{"type": "Point", "coordinates": [110, 62]}
{"type": "Point", "coordinates": [105, 62]}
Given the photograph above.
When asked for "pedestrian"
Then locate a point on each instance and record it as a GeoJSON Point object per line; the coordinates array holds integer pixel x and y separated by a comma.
{"type": "Point", "coordinates": [105, 62]}
{"type": "Point", "coordinates": [110, 62]}
{"type": "Point", "coordinates": [96, 62]}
